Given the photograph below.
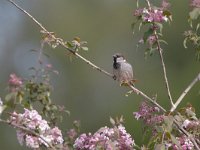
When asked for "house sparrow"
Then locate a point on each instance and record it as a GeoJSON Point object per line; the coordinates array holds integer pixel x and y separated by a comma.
{"type": "Point", "coordinates": [122, 70]}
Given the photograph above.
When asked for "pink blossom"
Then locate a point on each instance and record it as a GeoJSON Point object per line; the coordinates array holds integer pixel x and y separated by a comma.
{"type": "Point", "coordinates": [14, 82]}
{"type": "Point", "coordinates": [186, 123]}
{"type": "Point", "coordinates": [49, 66]}
{"type": "Point", "coordinates": [72, 134]}
{"type": "Point", "coordinates": [195, 3]}
{"type": "Point", "coordinates": [165, 4]}
{"type": "Point", "coordinates": [138, 12]}
{"type": "Point", "coordinates": [20, 136]}
{"type": "Point", "coordinates": [151, 40]}
{"type": "Point", "coordinates": [32, 120]}
{"type": "Point", "coordinates": [154, 15]}
{"type": "Point", "coordinates": [151, 15]}
{"type": "Point", "coordinates": [184, 142]}
{"type": "Point", "coordinates": [32, 142]}
{"type": "Point", "coordinates": [57, 135]}
{"type": "Point", "coordinates": [105, 138]}
{"type": "Point", "coordinates": [148, 114]}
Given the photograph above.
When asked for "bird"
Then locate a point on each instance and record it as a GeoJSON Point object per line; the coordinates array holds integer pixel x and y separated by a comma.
{"type": "Point", "coordinates": [122, 70]}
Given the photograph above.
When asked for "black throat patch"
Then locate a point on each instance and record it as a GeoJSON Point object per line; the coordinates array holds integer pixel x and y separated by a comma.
{"type": "Point", "coordinates": [115, 64]}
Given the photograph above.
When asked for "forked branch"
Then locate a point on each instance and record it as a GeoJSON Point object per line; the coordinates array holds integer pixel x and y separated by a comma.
{"type": "Point", "coordinates": [185, 92]}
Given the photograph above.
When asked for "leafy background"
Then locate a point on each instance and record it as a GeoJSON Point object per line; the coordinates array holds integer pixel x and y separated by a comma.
{"type": "Point", "coordinates": [90, 96]}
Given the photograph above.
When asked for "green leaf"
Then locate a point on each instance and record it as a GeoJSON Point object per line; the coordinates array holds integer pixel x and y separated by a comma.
{"type": "Point", "coordinates": [160, 26]}
{"type": "Point", "coordinates": [168, 120]}
{"type": "Point", "coordinates": [185, 42]}
{"type": "Point", "coordinates": [10, 99]}
{"type": "Point", "coordinates": [159, 147]}
{"type": "Point", "coordinates": [84, 48]}
{"type": "Point", "coordinates": [147, 34]}
{"type": "Point", "coordinates": [134, 23]}
{"type": "Point", "coordinates": [140, 26]}
{"type": "Point", "coordinates": [175, 141]}
{"type": "Point", "coordinates": [112, 121]}
{"type": "Point", "coordinates": [163, 41]}
{"type": "Point", "coordinates": [69, 44]}
{"type": "Point", "coordinates": [197, 27]}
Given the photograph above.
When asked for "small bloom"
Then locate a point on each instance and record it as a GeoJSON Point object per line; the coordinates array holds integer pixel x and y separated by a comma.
{"type": "Point", "coordinates": [57, 135]}
{"type": "Point", "coordinates": [149, 114]}
{"type": "Point", "coordinates": [20, 136]}
{"type": "Point", "coordinates": [72, 134]}
{"type": "Point", "coordinates": [137, 115]}
{"type": "Point", "coordinates": [138, 12]}
{"type": "Point", "coordinates": [49, 66]}
{"type": "Point", "coordinates": [186, 123]}
{"type": "Point", "coordinates": [165, 5]}
{"type": "Point", "coordinates": [32, 142]}
{"type": "Point", "coordinates": [184, 142]}
{"type": "Point", "coordinates": [141, 41]}
{"type": "Point", "coordinates": [14, 80]}
{"type": "Point", "coordinates": [154, 15]}
{"type": "Point", "coordinates": [151, 40]}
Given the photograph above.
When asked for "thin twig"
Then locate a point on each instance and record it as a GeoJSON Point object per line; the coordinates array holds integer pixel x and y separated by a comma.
{"type": "Point", "coordinates": [28, 131]}
{"type": "Point", "coordinates": [59, 41]}
{"type": "Point", "coordinates": [138, 92]}
{"type": "Point", "coordinates": [185, 92]}
{"type": "Point", "coordinates": [164, 68]}
{"type": "Point", "coordinates": [148, 3]}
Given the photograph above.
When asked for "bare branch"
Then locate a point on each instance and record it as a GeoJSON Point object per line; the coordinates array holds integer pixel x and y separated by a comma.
{"type": "Point", "coordinates": [185, 92]}
{"type": "Point", "coordinates": [138, 92]}
{"type": "Point", "coordinates": [164, 69]}
{"type": "Point", "coordinates": [148, 3]}
{"type": "Point", "coordinates": [28, 131]}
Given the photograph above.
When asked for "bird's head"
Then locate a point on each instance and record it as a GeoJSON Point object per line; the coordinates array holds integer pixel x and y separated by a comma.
{"type": "Point", "coordinates": [118, 58]}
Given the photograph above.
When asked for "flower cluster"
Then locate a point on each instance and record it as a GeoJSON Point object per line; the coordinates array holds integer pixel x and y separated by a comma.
{"type": "Point", "coordinates": [184, 143]}
{"type": "Point", "coordinates": [190, 124]}
{"type": "Point", "coordinates": [14, 82]}
{"type": "Point", "coordinates": [105, 138]}
{"type": "Point", "coordinates": [151, 15]}
{"type": "Point", "coordinates": [149, 114]}
{"type": "Point", "coordinates": [195, 3]}
{"type": "Point", "coordinates": [32, 121]}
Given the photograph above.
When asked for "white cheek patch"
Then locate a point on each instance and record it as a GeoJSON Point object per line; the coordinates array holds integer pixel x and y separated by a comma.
{"type": "Point", "coordinates": [120, 59]}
